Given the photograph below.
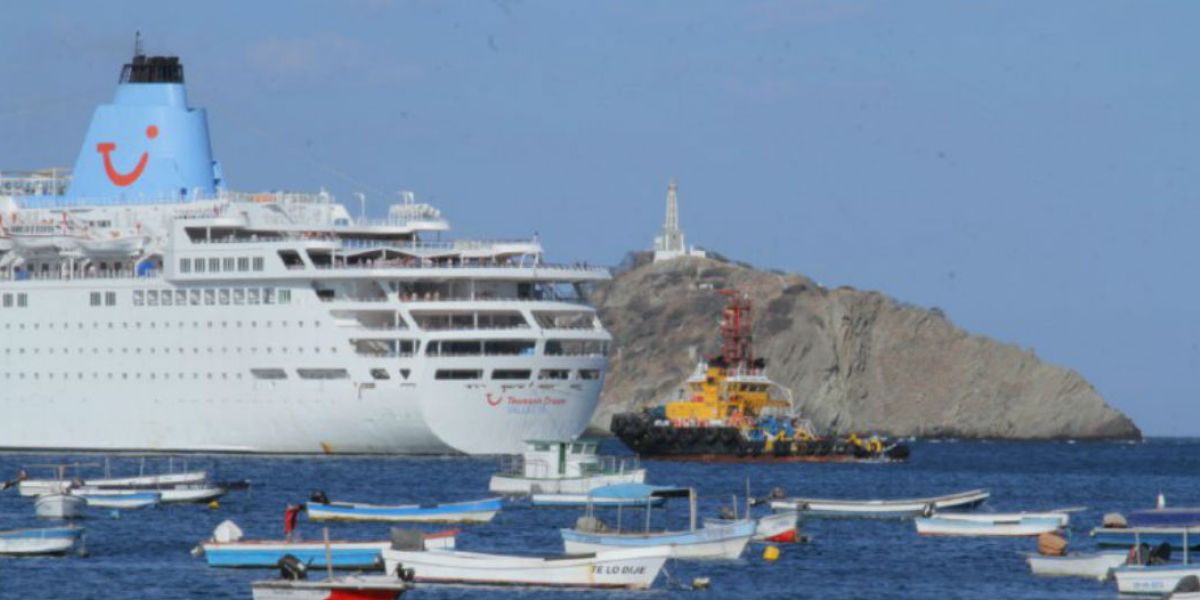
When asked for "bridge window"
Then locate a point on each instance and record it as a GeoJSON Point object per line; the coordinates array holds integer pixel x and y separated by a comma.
{"type": "Point", "coordinates": [243, 264]}
{"type": "Point", "coordinates": [198, 264]}
{"type": "Point", "coordinates": [323, 373]}
{"type": "Point", "coordinates": [110, 299]}
{"type": "Point", "coordinates": [589, 374]}
{"type": "Point", "coordinates": [458, 374]}
{"type": "Point", "coordinates": [511, 374]}
{"type": "Point", "coordinates": [268, 373]}
{"type": "Point", "coordinates": [576, 347]}
{"type": "Point", "coordinates": [560, 374]}
{"type": "Point", "coordinates": [185, 265]}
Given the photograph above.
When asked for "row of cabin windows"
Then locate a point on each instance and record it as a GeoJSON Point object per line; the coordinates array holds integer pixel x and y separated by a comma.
{"type": "Point", "coordinates": [516, 374]}
{"type": "Point", "coordinates": [211, 297]}
{"type": "Point", "coordinates": [15, 300]}
{"type": "Point", "coordinates": [165, 325]}
{"type": "Point", "coordinates": [515, 348]}
{"type": "Point", "coordinates": [229, 264]}
{"type": "Point", "coordinates": [136, 376]}
{"type": "Point", "coordinates": [102, 298]}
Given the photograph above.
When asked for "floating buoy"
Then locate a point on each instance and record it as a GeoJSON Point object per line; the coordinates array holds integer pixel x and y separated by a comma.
{"type": "Point", "coordinates": [771, 553]}
{"type": "Point", "coordinates": [700, 583]}
{"type": "Point", "coordinates": [214, 505]}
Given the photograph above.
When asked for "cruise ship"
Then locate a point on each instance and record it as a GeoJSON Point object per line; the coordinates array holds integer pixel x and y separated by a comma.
{"type": "Point", "coordinates": [146, 307]}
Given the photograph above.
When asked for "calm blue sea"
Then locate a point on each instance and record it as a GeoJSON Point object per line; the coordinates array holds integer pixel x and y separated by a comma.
{"type": "Point", "coordinates": [144, 554]}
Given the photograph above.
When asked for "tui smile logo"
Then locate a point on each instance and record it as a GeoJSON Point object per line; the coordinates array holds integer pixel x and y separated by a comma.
{"type": "Point", "coordinates": [123, 179]}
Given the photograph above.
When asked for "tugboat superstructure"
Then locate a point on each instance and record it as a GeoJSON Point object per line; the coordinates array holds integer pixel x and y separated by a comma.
{"type": "Point", "coordinates": [143, 306]}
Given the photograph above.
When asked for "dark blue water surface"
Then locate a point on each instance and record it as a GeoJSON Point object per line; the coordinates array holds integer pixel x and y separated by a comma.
{"type": "Point", "coordinates": [145, 554]}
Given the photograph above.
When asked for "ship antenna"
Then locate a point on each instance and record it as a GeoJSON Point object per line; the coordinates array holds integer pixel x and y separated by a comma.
{"type": "Point", "coordinates": [137, 43]}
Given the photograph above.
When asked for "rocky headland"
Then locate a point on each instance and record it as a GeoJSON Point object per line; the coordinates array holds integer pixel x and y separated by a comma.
{"type": "Point", "coordinates": [854, 360]}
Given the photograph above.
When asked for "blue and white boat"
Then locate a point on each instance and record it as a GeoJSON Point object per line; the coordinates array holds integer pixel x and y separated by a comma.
{"type": "Point", "coordinates": [1125, 537]}
{"type": "Point", "coordinates": [624, 494]}
{"type": "Point", "coordinates": [266, 553]}
{"type": "Point", "coordinates": [476, 511]}
{"type": "Point", "coordinates": [100, 498]}
{"type": "Point", "coordinates": [28, 542]}
{"type": "Point", "coordinates": [1154, 580]}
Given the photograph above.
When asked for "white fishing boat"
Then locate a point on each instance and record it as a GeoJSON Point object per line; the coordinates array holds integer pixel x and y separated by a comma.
{"type": "Point", "coordinates": [355, 587]}
{"type": "Point", "coordinates": [1061, 517]}
{"type": "Point", "coordinates": [1098, 565]}
{"type": "Point", "coordinates": [1017, 527]}
{"type": "Point", "coordinates": [557, 467]}
{"type": "Point", "coordinates": [475, 511]}
{"type": "Point", "coordinates": [52, 540]}
{"type": "Point", "coordinates": [882, 509]}
{"type": "Point", "coordinates": [629, 568]}
{"type": "Point", "coordinates": [621, 494]}
{"type": "Point", "coordinates": [1152, 579]}
{"type": "Point", "coordinates": [34, 487]}
{"type": "Point", "coordinates": [59, 506]}
{"type": "Point", "coordinates": [718, 539]}
{"type": "Point", "coordinates": [99, 498]}
{"type": "Point", "coordinates": [189, 492]}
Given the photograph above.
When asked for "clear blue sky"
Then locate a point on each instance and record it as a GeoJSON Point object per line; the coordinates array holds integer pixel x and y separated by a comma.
{"type": "Point", "coordinates": [1029, 167]}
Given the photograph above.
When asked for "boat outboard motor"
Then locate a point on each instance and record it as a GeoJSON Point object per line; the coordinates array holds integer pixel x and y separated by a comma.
{"type": "Point", "coordinates": [319, 497]}
{"type": "Point", "coordinates": [1188, 584]}
{"type": "Point", "coordinates": [291, 569]}
{"type": "Point", "coordinates": [405, 574]}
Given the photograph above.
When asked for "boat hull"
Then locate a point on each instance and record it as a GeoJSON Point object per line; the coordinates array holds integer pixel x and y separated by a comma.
{"type": "Point", "coordinates": [725, 542]}
{"type": "Point", "coordinates": [1097, 566]}
{"type": "Point", "coordinates": [641, 434]}
{"type": "Point", "coordinates": [377, 587]}
{"type": "Point", "coordinates": [59, 506]}
{"type": "Point", "coordinates": [345, 555]}
{"type": "Point", "coordinates": [577, 500]}
{"type": "Point", "coordinates": [517, 485]}
{"type": "Point", "coordinates": [934, 526]}
{"type": "Point", "coordinates": [125, 500]}
{"type": "Point", "coordinates": [462, 512]}
{"type": "Point", "coordinates": [882, 509]}
{"type": "Point", "coordinates": [35, 487]}
{"type": "Point", "coordinates": [1155, 580]}
{"type": "Point", "coordinates": [32, 542]}
{"type": "Point", "coordinates": [614, 569]}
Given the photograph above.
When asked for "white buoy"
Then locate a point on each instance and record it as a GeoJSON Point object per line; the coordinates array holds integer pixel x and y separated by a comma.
{"type": "Point", "coordinates": [1162, 500]}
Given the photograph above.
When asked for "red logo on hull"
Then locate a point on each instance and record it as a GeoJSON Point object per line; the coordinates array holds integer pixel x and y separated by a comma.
{"type": "Point", "coordinates": [123, 179]}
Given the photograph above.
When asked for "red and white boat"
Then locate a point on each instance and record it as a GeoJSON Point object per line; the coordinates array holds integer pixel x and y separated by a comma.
{"type": "Point", "coordinates": [781, 528]}
{"type": "Point", "coordinates": [358, 587]}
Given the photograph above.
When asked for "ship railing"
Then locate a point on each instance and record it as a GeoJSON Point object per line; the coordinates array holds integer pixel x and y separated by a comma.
{"type": "Point", "coordinates": [490, 298]}
{"type": "Point", "coordinates": [370, 244]}
{"type": "Point", "coordinates": [577, 268]}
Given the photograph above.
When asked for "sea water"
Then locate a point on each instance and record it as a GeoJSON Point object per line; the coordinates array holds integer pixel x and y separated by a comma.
{"type": "Point", "coordinates": [145, 553]}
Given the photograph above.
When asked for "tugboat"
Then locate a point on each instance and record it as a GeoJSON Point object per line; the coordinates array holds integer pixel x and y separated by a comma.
{"type": "Point", "coordinates": [733, 411]}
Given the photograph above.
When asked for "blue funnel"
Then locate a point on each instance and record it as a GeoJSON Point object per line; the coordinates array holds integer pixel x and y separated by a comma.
{"type": "Point", "coordinates": [148, 144]}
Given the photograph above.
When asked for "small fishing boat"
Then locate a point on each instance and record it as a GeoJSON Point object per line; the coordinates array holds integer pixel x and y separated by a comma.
{"type": "Point", "coordinates": [882, 509]}
{"type": "Point", "coordinates": [1017, 527]}
{"type": "Point", "coordinates": [724, 541]}
{"type": "Point", "coordinates": [355, 587]}
{"type": "Point", "coordinates": [624, 494]}
{"type": "Point", "coordinates": [1152, 579]}
{"type": "Point", "coordinates": [1092, 565]}
{"type": "Point", "coordinates": [718, 539]}
{"type": "Point", "coordinates": [779, 528]}
{"type": "Point", "coordinates": [629, 568]}
{"type": "Point", "coordinates": [34, 487]}
{"type": "Point", "coordinates": [59, 506]}
{"type": "Point", "coordinates": [1125, 537]}
{"type": "Point", "coordinates": [99, 498]}
{"type": "Point", "coordinates": [266, 553]}
{"type": "Point", "coordinates": [26, 542]}
{"type": "Point", "coordinates": [476, 511]}
{"type": "Point", "coordinates": [1061, 517]}
{"type": "Point", "coordinates": [555, 467]}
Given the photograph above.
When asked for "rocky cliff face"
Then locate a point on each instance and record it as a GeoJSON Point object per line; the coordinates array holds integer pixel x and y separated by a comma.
{"type": "Point", "coordinates": [854, 360]}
